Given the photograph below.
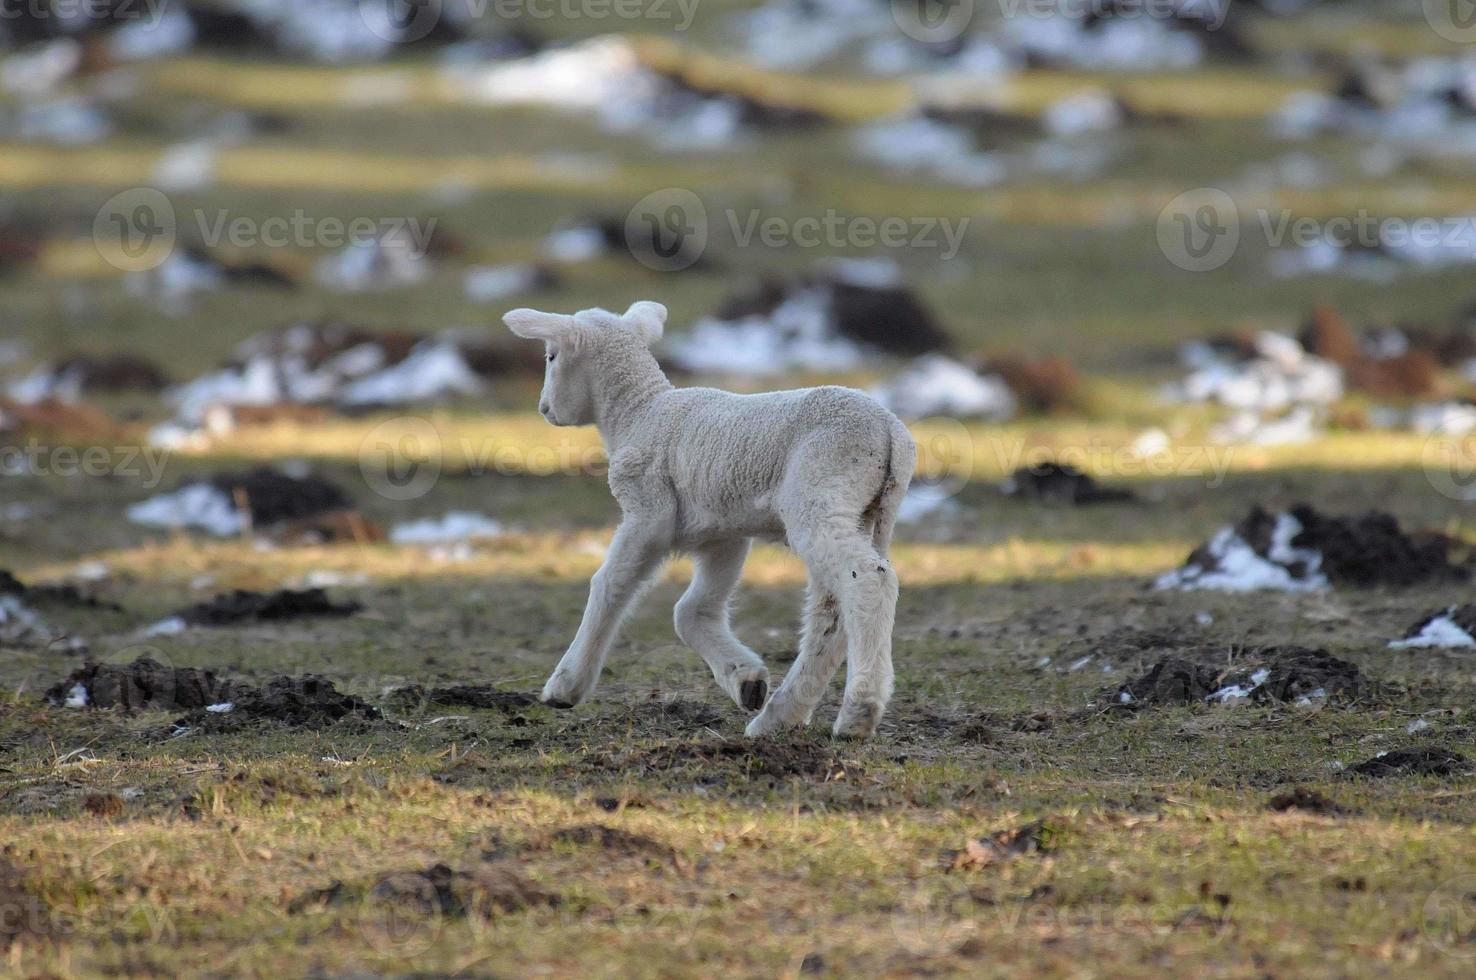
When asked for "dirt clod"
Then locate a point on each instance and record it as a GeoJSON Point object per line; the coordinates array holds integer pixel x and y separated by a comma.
{"type": "Point", "coordinates": [1371, 549]}
{"type": "Point", "coordinates": [1036, 837]}
{"type": "Point", "coordinates": [1427, 761]}
{"type": "Point", "coordinates": [259, 607]}
{"type": "Point", "coordinates": [309, 701]}
{"type": "Point", "coordinates": [1303, 798]}
{"type": "Point", "coordinates": [613, 840]}
{"type": "Point", "coordinates": [1061, 484]}
{"type": "Point", "coordinates": [274, 497]}
{"type": "Point", "coordinates": [1269, 675]}
{"type": "Point", "coordinates": [145, 683]}
{"type": "Point", "coordinates": [466, 696]}
{"type": "Point", "coordinates": [106, 805]}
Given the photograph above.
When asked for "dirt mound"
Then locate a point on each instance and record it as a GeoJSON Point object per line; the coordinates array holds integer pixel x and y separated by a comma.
{"type": "Point", "coordinates": [241, 606]}
{"type": "Point", "coordinates": [1047, 386]}
{"type": "Point", "coordinates": [272, 496]}
{"type": "Point", "coordinates": [1273, 675]}
{"type": "Point", "coordinates": [113, 372]}
{"type": "Point", "coordinates": [482, 891]}
{"type": "Point", "coordinates": [309, 701]}
{"type": "Point", "coordinates": [613, 840]}
{"type": "Point", "coordinates": [1428, 761]}
{"type": "Point", "coordinates": [1309, 800]}
{"type": "Point", "coordinates": [143, 684]}
{"type": "Point", "coordinates": [684, 712]}
{"type": "Point", "coordinates": [1370, 549]}
{"type": "Point", "coordinates": [1303, 550]}
{"type": "Point", "coordinates": [466, 696]}
{"type": "Point", "coordinates": [51, 418]}
{"type": "Point", "coordinates": [60, 594]}
{"type": "Point", "coordinates": [1061, 484]}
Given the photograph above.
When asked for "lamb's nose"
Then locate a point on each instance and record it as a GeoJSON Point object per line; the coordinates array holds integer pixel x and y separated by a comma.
{"type": "Point", "coordinates": [544, 408]}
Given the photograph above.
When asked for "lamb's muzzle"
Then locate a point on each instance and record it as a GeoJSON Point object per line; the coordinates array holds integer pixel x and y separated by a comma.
{"type": "Point", "coordinates": [705, 471]}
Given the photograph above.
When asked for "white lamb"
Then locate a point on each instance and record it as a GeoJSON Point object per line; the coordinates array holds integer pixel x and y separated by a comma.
{"type": "Point", "coordinates": [704, 471]}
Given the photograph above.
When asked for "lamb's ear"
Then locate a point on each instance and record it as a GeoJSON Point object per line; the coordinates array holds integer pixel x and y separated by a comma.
{"type": "Point", "coordinates": [646, 319]}
{"type": "Point", "coordinates": [535, 325]}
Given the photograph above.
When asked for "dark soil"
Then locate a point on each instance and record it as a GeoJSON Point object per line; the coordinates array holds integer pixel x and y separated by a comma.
{"type": "Point", "coordinates": [273, 496]}
{"type": "Point", "coordinates": [483, 891]}
{"type": "Point", "coordinates": [1294, 673]}
{"type": "Point", "coordinates": [146, 683]}
{"type": "Point", "coordinates": [60, 595]}
{"type": "Point", "coordinates": [259, 607]}
{"type": "Point", "coordinates": [1371, 550]}
{"type": "Point", "coordinates": [466, 696]}
{"type": "Point", "coordinates": [757, 759]}
{"type": "Point", "coordinates": [613, 840]}
{"type": "Point", "coordinates": [1061, 484]}
{"type": "Point", "coordinates": [1431, 760]}
{"type": "Point", "coordinates": [1309, 800]}
{"type": "Point", "coordinates": [309, 701]}
{"type": "Point", "coordinates": [114, 372]}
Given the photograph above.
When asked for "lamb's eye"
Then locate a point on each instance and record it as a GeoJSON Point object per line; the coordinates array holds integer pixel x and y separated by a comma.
{"type": "Point", "coordinates": [551, 358]}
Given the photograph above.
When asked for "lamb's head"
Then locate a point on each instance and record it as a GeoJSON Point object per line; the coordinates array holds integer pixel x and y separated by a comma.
{"type": "Point", "coordinates": [587, 350]}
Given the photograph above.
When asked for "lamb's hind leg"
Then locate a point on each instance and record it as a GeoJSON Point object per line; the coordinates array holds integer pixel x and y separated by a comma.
{"type": "Point", "coordinates": [702, 624]}
{"type": "Point", "coordinates": [822, 648]}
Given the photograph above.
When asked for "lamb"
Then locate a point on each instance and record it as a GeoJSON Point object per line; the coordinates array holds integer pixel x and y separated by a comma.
{"type": "Point", "coordinates": [705, 471]}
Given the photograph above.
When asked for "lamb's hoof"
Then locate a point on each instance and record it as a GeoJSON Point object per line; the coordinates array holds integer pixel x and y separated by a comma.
{"type": "Point", "coordinates": [858, 721]}
{"type": "Point", "coordinates": [769, 721]}
{"type": "Point", "coordinates": [752, 694]}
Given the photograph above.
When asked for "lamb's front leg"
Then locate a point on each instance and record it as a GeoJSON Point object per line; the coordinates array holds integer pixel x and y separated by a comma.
{"type": "Point", "coordinates": [634, 556]}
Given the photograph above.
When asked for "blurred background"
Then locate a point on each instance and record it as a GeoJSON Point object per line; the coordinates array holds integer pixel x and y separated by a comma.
{"type": "Point", "coordinates": [264, 230]}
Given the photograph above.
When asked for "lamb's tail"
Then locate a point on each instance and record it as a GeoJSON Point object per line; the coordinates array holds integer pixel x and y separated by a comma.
{"type": "Point", "coordinates": [901, 460]}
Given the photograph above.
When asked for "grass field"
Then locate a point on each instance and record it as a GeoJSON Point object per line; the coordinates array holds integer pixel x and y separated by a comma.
{"type": "Point", "coordinates": [1008, 819]}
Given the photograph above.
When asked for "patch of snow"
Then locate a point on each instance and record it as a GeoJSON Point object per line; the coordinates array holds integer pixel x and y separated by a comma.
{"type": "Point", "coordinates": [390, 261]}
{"type": "Point", "coordinates": [224, 707]}
{"type": "Point", "coordinates": [937, 385]}
{"type": "Point", "coordinates": [1438, 631]}
{"type": "Point", "coordinates": [432, 371]}
{"type": "Point", "coordinates": [169, 32]}
{"type": "Point", "coordinates": [489, 283]}
{"type": "Point", "coordinates": [796, 335]}
{"type": "Point", "coordinates": [197, 505]}
{"type": "Point", "coordinates": [173, 626]}
{"type": "Point", "coordinates": [457, 526]}
{"type": "Point", "coordinates": [924, 500]}
{"type": "Point", "coordinates": [1416, 726]}
{"type": "Point", "coordinates": [1089, 111]}
{"type": "Point", "coordinates": [78, 696]}
{"type": "Point", "coordinates": [578, 243]}
{"type": "Point", "coordinates": [917, 144]}
{"type": "Point", "coordinates": [1236, 567]}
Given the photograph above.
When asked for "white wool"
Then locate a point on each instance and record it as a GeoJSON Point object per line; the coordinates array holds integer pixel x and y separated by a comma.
{"type": "Point", "coordinates": [705, 471]}
{"type": "Point", "coordinates": [1440, 631]}
{"type": "Point", "coordinates": [432, 371]}
{"type": "Point", "coordinates": [453, 527]}
{"type": "Point", "coordinates": [1238, 568]}
{"type": "Point", "coordinates": [198, 505]}
{"type": "Point", "coordinates": [938, 385]}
